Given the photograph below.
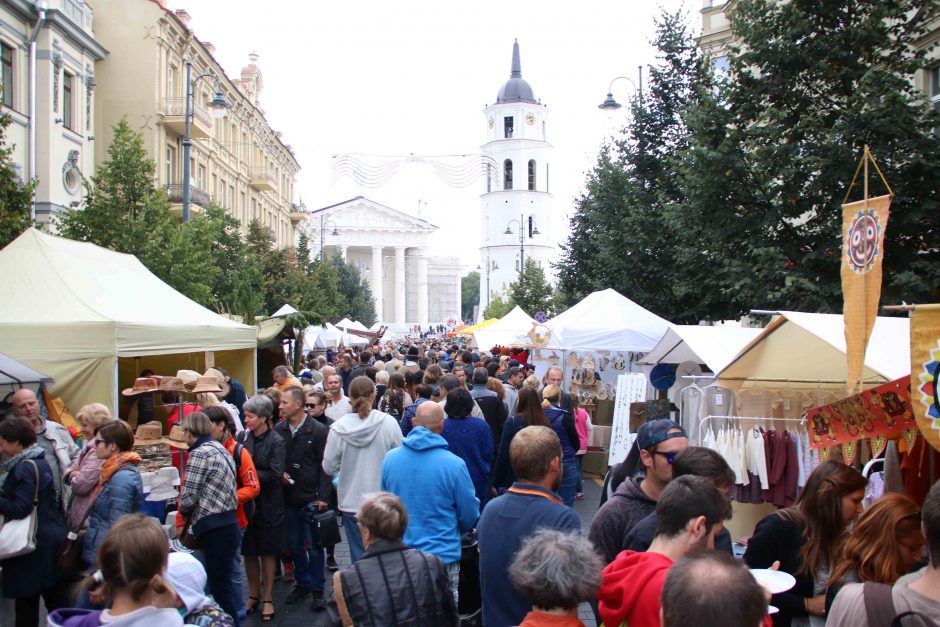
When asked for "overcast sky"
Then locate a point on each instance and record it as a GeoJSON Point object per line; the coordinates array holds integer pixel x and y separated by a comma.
{"type": "Point", "coordinates": [399, 78]}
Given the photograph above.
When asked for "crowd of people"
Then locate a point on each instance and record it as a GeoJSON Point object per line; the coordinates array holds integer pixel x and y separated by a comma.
{"type": "Point", "coordinates": [432, 458]}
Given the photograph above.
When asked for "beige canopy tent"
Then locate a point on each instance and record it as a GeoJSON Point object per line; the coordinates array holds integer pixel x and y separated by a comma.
{"type": "Point", "coordinates": [92, 319]}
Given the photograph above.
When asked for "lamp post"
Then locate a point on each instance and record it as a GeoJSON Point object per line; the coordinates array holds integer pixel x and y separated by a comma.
{"type": "Point", "coordinates": [609, 103]}
{"type": "Point", "coordinates": [508, 231]}
{"type": "Point", "coordinates": [490, 265]}
{"type": "Point", "coordinates": [323, 226]}
{"type": "Point", "coordinates": [217, 105]}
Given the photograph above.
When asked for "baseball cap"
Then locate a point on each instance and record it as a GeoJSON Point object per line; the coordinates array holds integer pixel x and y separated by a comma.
{"type": "Point", "coordinates": [656, 431]}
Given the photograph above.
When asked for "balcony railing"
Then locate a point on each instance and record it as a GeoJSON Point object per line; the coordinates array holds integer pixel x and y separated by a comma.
{"type": "Point", "coordinates": [196, 196]}
{"type": "Point", "coordinates": [77, 11]}
{"type": "Point", "coordinates": [177, 107]}
{"type": "Point", "coordinates": [263, 179]}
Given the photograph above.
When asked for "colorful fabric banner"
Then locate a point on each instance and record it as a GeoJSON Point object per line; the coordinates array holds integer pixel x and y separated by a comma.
{"type": "Point", "coordinates": [883, 410]}
{"type": "Point", "coordinates": [863, 233]}
{"type": "Point", "coordinates": [925, 371]}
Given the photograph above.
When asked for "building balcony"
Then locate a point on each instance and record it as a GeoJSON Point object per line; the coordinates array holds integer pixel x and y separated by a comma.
{"type": "Point", "coordinates": [263, 179]}
{"type": "Point", "coordinates": [77, 11]}
{"type": "Point", "coordinates": [298, 213]}
{"type": "Point", "coordinates": [174, 118]}
{"type": "Point", "coordinates": [198, 199]}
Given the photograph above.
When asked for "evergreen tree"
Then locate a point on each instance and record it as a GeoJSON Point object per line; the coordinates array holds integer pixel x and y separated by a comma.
{"type": "Point", "coordinates": [532, 291]}
{"type": "Point", "coordinates": [15, 195]}
{"type": "Point", "coordinates": [356, 290]}
{"type": "Point", "coordinates": [469, 294]}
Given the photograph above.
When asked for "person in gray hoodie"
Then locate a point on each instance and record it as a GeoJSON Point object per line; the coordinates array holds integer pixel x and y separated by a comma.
{"type": "Point", "coordinates": [355, 448]}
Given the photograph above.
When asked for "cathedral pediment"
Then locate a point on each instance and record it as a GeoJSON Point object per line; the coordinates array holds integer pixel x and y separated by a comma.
{"type": "Point", "coordinates": [360, 213]}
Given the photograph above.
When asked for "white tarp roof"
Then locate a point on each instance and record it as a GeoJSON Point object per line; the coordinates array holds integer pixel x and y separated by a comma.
{"type": "Point", "coordinates": [347, 339]}
{"type": "Point", "coordinates": [810, 347]}
{"type": "Point", "coordinates": [607, 320]}
{"type": "Point", "coordinates": [346, 323]}
{"type": "Point", "coordinates": [13, 372]}
{"type": "Point", "coordinates": [510, 329]}
{"type": "Point", "coordinates": [713, 346]}
{"type": "Point", "coordinates": [315, 335]}
{"type": "Point", "coordinates": [285, 310]}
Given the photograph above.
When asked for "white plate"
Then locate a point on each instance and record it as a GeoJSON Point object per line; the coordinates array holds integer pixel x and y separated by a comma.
{"type": "Point", "coordinates": [772, 610]}
{"type": "Point", "coordinates": [774, 580]}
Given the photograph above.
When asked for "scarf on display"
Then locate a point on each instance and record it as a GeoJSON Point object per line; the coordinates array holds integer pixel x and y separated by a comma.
{"type": "Point", "coordinates": [115, 463]}
{"type": "Point", "coordinates": [33, 451]}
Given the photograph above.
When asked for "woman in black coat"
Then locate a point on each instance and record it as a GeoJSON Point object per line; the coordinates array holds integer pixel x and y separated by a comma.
{"type": "Point", "coordinates": [265, 537]}
{"type": "Point", "coordinates": [35, 574]}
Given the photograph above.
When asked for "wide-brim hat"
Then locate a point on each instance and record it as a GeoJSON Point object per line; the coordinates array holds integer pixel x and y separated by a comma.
{"type": "Point", "coordinates": [162, 489]}
{"type": "Point", "coordinates": [142, 385]}
{"type": "Point", "coordinates": [149, 434]}
{"type": "Point", "coordinates": [189, 377]}
{"type": "Point", "coordinates": [171, 384]}
{"type": "Point", "coordinates": [177, 438]}
{"type": "Point", "coordinates": [146, 478]}
{"type": "Point", "coordinates": [226, 388]}
{"type": "Point", "coordinates": [170, 472]}
{"type": "Point", "coordinates": [207, 384]}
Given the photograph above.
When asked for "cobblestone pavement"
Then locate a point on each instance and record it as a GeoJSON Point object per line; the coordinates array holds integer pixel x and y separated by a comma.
{"type": "Point", "coordinates": [301, 615]}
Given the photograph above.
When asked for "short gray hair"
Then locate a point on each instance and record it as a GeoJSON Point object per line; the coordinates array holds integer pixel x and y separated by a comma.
{"type": "Point", "coordinates": [384, 515]}
{"type": "Point", "coordinates": [260, 405]}
{"type": "Point", "coordinates": [197, 423]}
{"type": "Point", "coordinates": [554, 569]}
{"type": "Point", "coordinates": [381, 377]}
{"type": "Point", "coordinates": [480, 376]}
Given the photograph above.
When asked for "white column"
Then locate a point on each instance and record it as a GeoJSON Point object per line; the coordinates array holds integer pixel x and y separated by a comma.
{"type": "Point", "coordinates": [459, 302]}
{"type": "Point", "coordinates": [342, 251]}
{"type": "Point", "coordinates": [422, 286]}
{"type": "Point", "coordinates": [377, 282]}
{"type": "Point", "coordinates": [401, 294]}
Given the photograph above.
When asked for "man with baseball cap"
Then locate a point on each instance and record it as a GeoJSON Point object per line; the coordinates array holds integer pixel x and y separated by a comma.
{"type": "Point", "coordinates": [656, 446]}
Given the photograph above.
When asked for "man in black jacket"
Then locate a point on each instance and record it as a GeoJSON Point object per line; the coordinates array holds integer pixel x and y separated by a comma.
{"type": "Point", "coordinates": [305, 483]}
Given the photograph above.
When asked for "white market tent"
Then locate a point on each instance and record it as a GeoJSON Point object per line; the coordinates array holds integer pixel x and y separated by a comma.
{"type": "Point", "coordinates": [714, 347]}
{"type": "Point", "coordinates": [285, 310]}
{"type": "Point", "coordinates": [316, 336]}
{"type": "Point", "coordinates": [806, 348]}
{"type": "Point", "coordinates": [510, 329]}
{"type": "Point", "coordinates": [348, 339]}
{"type": "Point", "coordinates": [92, 318]}
{"type": "Point", "coordinates": [346, 323]}
{"type": "Point", "coordinates": [607, 320]}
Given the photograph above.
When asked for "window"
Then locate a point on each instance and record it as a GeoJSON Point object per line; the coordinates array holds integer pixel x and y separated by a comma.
{"type": "Point", "coordinates": [720, 67]}
{"type": "Point", "coordinates": [215, 185]}
{"type": "Point", "coordinates": [531, 175]}
{"type": "Point", "coordinates": [201, 177]}
{"type": "Point", "coordinates": [507, 126]}
{"type": "Point", "coordinates": [254, 209]}
{"type": "Point", "coordinates": [532, 228]}
{"type": "Point", "coordinates": [231, 198]}
{"type": "Point", "coordinates": [170, 164]}
{"type": "Point", "coordinates": [7, 75]}
{"type": "Point", "coordinates": [171, 73]}
{"type": "Point", "coordinates": [241, 208]}
{"type": "Point", "coordinates": [933, 86]}
{"type": "Point", "coordinates": [222, 187]}
{"type": "Point", "coordinates": [507, 174]}
{"type": "Point", "coordinates": [68, 105]}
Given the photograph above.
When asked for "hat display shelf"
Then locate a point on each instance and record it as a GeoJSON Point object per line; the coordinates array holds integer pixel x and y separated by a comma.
{"type": "Point", "coordinates": [586, 384]}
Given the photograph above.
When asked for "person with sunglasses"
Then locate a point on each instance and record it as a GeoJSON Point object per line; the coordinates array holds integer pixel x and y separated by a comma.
{"type": "Point", "coordinates": [315, 407]}
{"type": "Point", "coordinates": [656, 446]}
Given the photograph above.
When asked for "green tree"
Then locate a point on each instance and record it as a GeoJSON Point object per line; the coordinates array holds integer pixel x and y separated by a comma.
{"type": "Point", "coordinates": [469, 294]}
{"type": "Point", "coordinates": [772, 154]}
{"type": "Point", "coordinates": [356, 290]}
{"type": "Point", "coordinates": [532, 291]}
{"type": "Point", "coordinates": [15, 195]}
{"type": "Point", "coordinates": [500, 305]}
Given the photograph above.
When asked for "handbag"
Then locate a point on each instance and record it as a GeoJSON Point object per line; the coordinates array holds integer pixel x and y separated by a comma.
{"type": "Point", "coordinates": [70, 557]}
{"type": "Point", "coordinates": [187, 538]}
{"type": "Point", "coordinates": [18, 537]}
{"type": "Point", "coordinates": [324, 527]}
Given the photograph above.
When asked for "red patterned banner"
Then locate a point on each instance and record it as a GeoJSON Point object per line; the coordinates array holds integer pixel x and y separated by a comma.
{"type": "Point", "coordinates": [881, 411]}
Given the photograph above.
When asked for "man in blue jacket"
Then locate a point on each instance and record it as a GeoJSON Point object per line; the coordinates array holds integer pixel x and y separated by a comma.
{"type": "Point", "coordinates": [435, 486]}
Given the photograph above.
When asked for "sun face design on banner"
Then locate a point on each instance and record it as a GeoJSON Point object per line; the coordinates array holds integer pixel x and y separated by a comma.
{"type": "Point", "coordinates": [928, 388]}
{"type": "Point", "coordinates": [863, 238]}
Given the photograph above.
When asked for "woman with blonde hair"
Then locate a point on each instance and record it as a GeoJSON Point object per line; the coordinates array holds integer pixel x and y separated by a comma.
{"type": "Point", "coordinates": [355, 448]}
{"type": "Point", "coordinates": [562, 423]}
{"type": "Point", "coordinates": [131, 565]}
{"type": "Point", "coordinates": [884, 544]}
{"type": "Point", "coordinates": [85, 471]}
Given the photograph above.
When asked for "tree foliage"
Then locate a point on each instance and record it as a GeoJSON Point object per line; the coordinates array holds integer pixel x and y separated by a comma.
{"type": "Point", "coordinates": [531, 291]}
{"type": "Point", "coordinates": [726, 195]}
{"type": "Point", "coordinates": [469, 294]}
{"type": "Point", "coordinates": [16, 196]}
{"type": "Point", "coordinates": [357, 291]}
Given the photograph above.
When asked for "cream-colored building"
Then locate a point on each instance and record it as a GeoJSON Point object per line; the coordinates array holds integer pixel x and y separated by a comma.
{"type": "Point", "coordinates": [717, 35]}
{"type": "Point", "coordinates": [48, 59]}
{"type": "Point", "coordinates": [237, 162]}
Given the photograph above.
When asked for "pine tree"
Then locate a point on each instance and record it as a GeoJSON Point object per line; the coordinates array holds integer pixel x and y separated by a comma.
{"type": "Point", "coordinates": [532, 291]}
{"type": "Point", "coordinates": [15, 195]}
{"type": "Point", "coordinates": [469, 294]}
{"type": "Point", "coordinates": [356, 290]}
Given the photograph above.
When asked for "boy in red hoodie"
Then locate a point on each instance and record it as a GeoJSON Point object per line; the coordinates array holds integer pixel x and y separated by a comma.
{"type": "Point", "coordinates": [689, 513]}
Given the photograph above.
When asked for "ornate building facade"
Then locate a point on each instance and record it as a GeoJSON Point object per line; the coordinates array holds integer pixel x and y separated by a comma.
{"type": "Point", "coordinates": [238, 162]}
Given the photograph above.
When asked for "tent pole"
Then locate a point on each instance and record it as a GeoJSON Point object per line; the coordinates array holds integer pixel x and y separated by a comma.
{"type": "Point", "coordinates": [116, 407]}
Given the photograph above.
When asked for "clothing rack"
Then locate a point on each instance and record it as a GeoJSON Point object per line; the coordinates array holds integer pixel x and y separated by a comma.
{"type": "Point", "coordinates": [701, 425]}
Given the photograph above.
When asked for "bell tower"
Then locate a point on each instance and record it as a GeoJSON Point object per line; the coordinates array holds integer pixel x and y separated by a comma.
{"type": "Point", "coordinates": [516, 200]}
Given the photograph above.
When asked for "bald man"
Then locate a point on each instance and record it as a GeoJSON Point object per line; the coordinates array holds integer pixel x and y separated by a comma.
{"type": "Point", "coordinates": [53, 438]}
{"type": "Point", "coordinates": [440, 498]}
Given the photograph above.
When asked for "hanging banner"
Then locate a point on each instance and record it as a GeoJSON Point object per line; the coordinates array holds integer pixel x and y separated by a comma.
{"type": "Point", "coordinates": [631, 388]}
{"type": "Point", "coordinates": [882, 411]}
{"type": "Point", "coordinates": [925, 371]}
{"type": "Point", "coordinates": [863, 233]}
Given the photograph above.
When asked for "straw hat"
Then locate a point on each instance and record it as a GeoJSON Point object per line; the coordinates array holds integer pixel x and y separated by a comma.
{"type": "Point", "coordinates": [226, 388]}
{"type": "Point", "coordinates": [207, 384]}
{"type": "Point", "coordinates": [142, 385]}
{"type": "Point", "coordinates": [189, 377]}
{"type": "Point", "coordinates": [149, 434]}
{"type": "Point", "coordinates": [171, 384]}
{"type": "Point", "coordinates": [177, 438]}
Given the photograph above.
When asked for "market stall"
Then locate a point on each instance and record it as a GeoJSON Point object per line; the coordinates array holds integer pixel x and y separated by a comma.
{"type": "Point", "coordinates": [92, 319]}
{"type": "Point", "coordinates": [510, 330]}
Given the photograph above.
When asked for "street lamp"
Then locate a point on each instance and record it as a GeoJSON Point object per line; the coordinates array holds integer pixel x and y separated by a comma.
{"type": "Point", "coordinates": [323, 226]}
{"type": "Point", "coordinates": [609, 103]}
{"type": "Point", "coordinates": [490, 265]}
{"type": "Point", "coordinates": [508, 231]}
{"type": "Point", "coordinates": [217, 107]}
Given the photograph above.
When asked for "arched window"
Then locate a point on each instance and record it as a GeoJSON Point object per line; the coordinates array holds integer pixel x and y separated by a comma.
{"type": "Point", "coordinates": [507, 174]}
{"type": "Point", "coordinates": [531, 175]}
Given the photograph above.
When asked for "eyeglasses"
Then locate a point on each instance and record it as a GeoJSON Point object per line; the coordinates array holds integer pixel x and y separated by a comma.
{"type": "Point", "coordinates": [99, 441]}
{"type": "Point", "coordinates": [670, 457]}
{"type": "Point", "coordinates": [310, 405]}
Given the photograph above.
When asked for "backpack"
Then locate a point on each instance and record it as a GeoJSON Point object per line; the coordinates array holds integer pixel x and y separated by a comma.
{"type": "Point", "coordinates": [237, 458]}
{"type": "Point", "coordinates": [879, 607]}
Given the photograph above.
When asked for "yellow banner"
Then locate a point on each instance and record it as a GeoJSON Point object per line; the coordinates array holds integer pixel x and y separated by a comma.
{"type": "Point", "coordinates": [863, 233]}
{"type": "Point", "coordinates": [925, 371]}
